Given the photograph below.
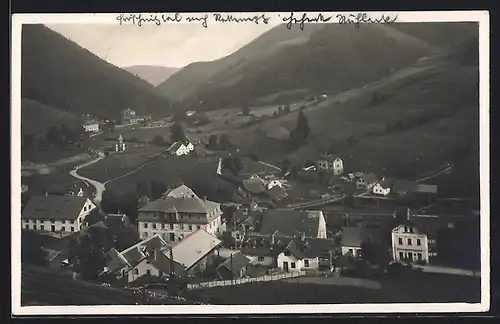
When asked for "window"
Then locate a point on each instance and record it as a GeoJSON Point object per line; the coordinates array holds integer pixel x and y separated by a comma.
{"type": "Point", "coordinates": [64, 222]}
{"type": "Point", "coordinates": [171, 226]}
{"type": "Point", "coordinates": [198, 226]}
{"type": "Point", "coordinates": [292, 265]}
{"type": "Point", "coordinates": [72, 229]}
{"type": "Point", "coordinates": [162, 226]}
{"type": "Point", "coordinates": [400, 241]}
{"type": "Point", "coordinates": [418, 242]}
{"type": "Point", "coordinates": [411, 229]}
{"type": "Point", "coordinates": [409, 241]}
{"type": "Point", "coordinates": [419, 256]}
{"type": "Point", "coordinates": [190, 227]}
{"type": "Point", "coordinates": [52, 221]}
{"type": "Point", "coordinates": [145, 225]}
{"type": "Point", "coordinates": [237, 236]}
{"type": "Point", "coordinates": [136, 271]}
{"type": "Point", "coordinates": [154, 225]}
{"type": "Point", "coordinates": [261, 259]}
{"type": "Point", "coordinates": [27, 226]}
{"type": "Point", "coordinates": [406, 229]}
{"type": "Point", "coordinates": [63, 229]}
{"type": "Point", "coordinates": [351, 251]}
{"type": "Point", "coordinates": [72, 222]}
{"type": "Point", "coordinates": [401, 256]}
{"type": "Point", "coordinates": [42, 227]}
{"type": "Point", "coordinates": [306, 263]}
{"type": "Point", "coordinates": [145, 234]}
{"type": "Point", "coordinates": [172, 237]}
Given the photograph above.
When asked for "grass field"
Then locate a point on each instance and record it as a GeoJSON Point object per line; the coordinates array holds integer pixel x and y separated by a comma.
{"type": "Point", "coordinates": [414, 288]}
{"type": "Point", "coordinates": [116, 165]}
{"type": "Point", "coordinates": [39, 184]}
{"type": "Point", "coordinates": [47, 287]}
{"type": "Point", "coordinates": [171, 170]}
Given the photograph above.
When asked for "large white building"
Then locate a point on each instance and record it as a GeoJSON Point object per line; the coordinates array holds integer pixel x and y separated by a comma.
{"type": "Point", "coordinates": [56, 213]}
{"type": "Point", "coordinates": [412, 243]}
{"type": "Point", "coordinates": [179, 213]}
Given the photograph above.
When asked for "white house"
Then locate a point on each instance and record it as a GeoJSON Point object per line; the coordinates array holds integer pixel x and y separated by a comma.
{"type": "Point", "coordinates": [331, 163]}
{"type": "Point", "coordinates": [304, 254]}
{"type": "Point", "coordinates": [91, 126]}
{"type": "Point", "coordinates": [56, 213]}
{"type": "Point", "coordinates": [354, 237]}
{"type": "Point", "coordinates": [178, 148]}
{"type": "Point", "coordinates": [411, 242]}
{"type": "Point", "coordinates": [176, 215]}
{"type": "Point", "coordinates": [154, 257]}
{"type": "Point", "coordinates": [382, 188]}
{"type": "Point", "coordinates": [273, 183]}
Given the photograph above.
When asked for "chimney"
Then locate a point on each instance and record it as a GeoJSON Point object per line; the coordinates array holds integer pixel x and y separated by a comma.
{"type": "Point", "coordinates": [408, 213]}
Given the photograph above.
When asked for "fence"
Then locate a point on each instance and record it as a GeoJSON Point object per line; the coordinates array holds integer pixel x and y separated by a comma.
{"type": "Point", "coordinates": [222, 283]}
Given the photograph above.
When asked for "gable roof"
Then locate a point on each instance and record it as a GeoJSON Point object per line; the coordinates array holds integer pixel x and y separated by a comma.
{"type": "Point", "coordinates": [355, 236]}
{"type": "Point", "coordinates": [181, 191]}
{"type": "Point", "coordinates": [290, 222]}
{"type": "Point", "coordinates": [329, 157]}
{"type": "Point", "coordinates": [182, 205]}
{"type": "Point", "coordinates": [311, 248]}
{"type": "Point", "coordinates": [54, 207]}
{"type": "Point", "coordinates": [277, 193]}
{"type": "Point", "coordinates": [429, 226]}
{"type": "Point", "coordinates": [369, 178]}
{"type": "Point", "coordinates": [134, 254]}
{"type": "Point", "coordinates": [174, 147]}
{"type": "Point", "coordinates": [235, 263]}
{"type": "Point", "coordinates": [194, 247]}
{"type": "Point", "coordinates": [254, 185]}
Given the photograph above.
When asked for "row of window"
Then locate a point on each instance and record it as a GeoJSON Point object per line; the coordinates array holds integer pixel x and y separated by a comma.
{"type": "Point", "coordinates": [52, 228]}
{"type": "Point", "coordinates": [148, 272]}
{"type": "Point", "coordinates": [171, 236]}
{"type": "Point", "coordinates": [170, 226]}
{"type": "Point", "coordinates": [52, 221]}
{"type": "Point", "coordinates": [400, 241]}
{"type": "Point", "coordinates": [410, 256]}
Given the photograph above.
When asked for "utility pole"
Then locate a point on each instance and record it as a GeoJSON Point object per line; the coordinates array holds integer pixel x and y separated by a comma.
{"type": "Point", "coordinates": [171, 261]}
{"type": "Point", "coordinates": [232, 276]}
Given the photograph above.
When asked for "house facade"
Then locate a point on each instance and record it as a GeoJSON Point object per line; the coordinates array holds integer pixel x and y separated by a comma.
{"type": "Point", "coordinates": [305, 254]}
{"type": "Point", "coordinates": [91, 126]}
{"type": "Point", "coordinates": [288, 262]}
{"type": "Point", "coordinates": [64, 214]}
{"type": "Point", "coordinates": [381, 188]}
{"type": "Point", "coordinates": [412, 244]}
{"type": "Point", "coordinates": [353, 239]}
{"type": "Point", "coordinates": [331, 163]}
{"type": "Point", "coordinates": [273, 183]}
{"type": "Point", "coordinates": [366, 181]}
{"type": "Point", "coordinates": [178, 148]}
{"type": "Point", "coordinates": [174, 217]}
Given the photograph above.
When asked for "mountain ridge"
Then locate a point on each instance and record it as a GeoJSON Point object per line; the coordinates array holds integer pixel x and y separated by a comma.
{"type": "Point", "coordinates": [153, 74]}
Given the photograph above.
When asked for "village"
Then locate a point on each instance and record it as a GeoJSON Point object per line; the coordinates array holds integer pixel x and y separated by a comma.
{"type": "Point", "coordinates": [345, 224]}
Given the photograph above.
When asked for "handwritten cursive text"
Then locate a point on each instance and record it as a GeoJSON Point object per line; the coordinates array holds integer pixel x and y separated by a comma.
{"type": "Point", "coordinates": [362, 18]}
{"type": "Point", "coordinates": [228, 18]}
{"type": "Point", "coordinates": [291, 20]}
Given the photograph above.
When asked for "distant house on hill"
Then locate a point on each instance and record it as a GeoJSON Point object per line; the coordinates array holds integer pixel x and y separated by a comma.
{"type": "Point", "coordinates": [179, 148]}
{"type": "Point", "coordinates": [331, 163]}
{"type": "Point", "coordinates": [383, 187]}
{"type": "Point", "coordinates": [91, 126]}
{"type": "Point", "coordinates": [56, 213]}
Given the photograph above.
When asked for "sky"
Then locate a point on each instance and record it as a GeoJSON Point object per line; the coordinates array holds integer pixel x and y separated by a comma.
{"type": "Point", "coordinates": [165, 45]}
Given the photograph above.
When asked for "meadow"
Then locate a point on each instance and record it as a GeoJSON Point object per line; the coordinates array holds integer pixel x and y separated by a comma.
{"type": "Point", "coordinates": [420, 288]}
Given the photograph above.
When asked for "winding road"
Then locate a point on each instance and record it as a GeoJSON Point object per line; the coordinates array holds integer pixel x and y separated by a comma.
{"type": "Point", "coordinates": [99, 187]}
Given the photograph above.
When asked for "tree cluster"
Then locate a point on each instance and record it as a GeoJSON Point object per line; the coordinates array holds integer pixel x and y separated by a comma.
{"type": "Point", "coordinates": [300, 134]}
{"type": "Point", "coordinates": [221, 142]}
{"type": "Point", "coordinates": [62, 135]}
{"type": "Point", "coordinates": [232, 164]}
{"type": "Point", "coordinates": [177, 133]}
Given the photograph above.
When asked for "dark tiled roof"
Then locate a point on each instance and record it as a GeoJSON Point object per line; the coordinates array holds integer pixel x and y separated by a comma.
{"type": "Point", "coordinates": [260, 251]}
{"type": "Point", "coordinates": [430, 226]}
{"type": "Point", "coordinates": [137, 252]}
{"type": "Point", "coordinates": [236, 263]}
{"type": "Point", "coordinates": [290, 222]}
{"type": "Point", "coordinates": [355, 236]}
{"type": "Point", "coordinates": [254, 186]}
{"type": "Point", "coordinates": [277, 193]}
{"type": "Point", "coordinates": [182, 205]}
{"type": "Point", "coordinates": [311, 248]}
{"type": "Point", "coordinates": [54, 207]}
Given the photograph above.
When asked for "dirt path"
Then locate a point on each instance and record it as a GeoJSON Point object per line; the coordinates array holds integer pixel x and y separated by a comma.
{"type": "Point", "coordinates": [99, 187]}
